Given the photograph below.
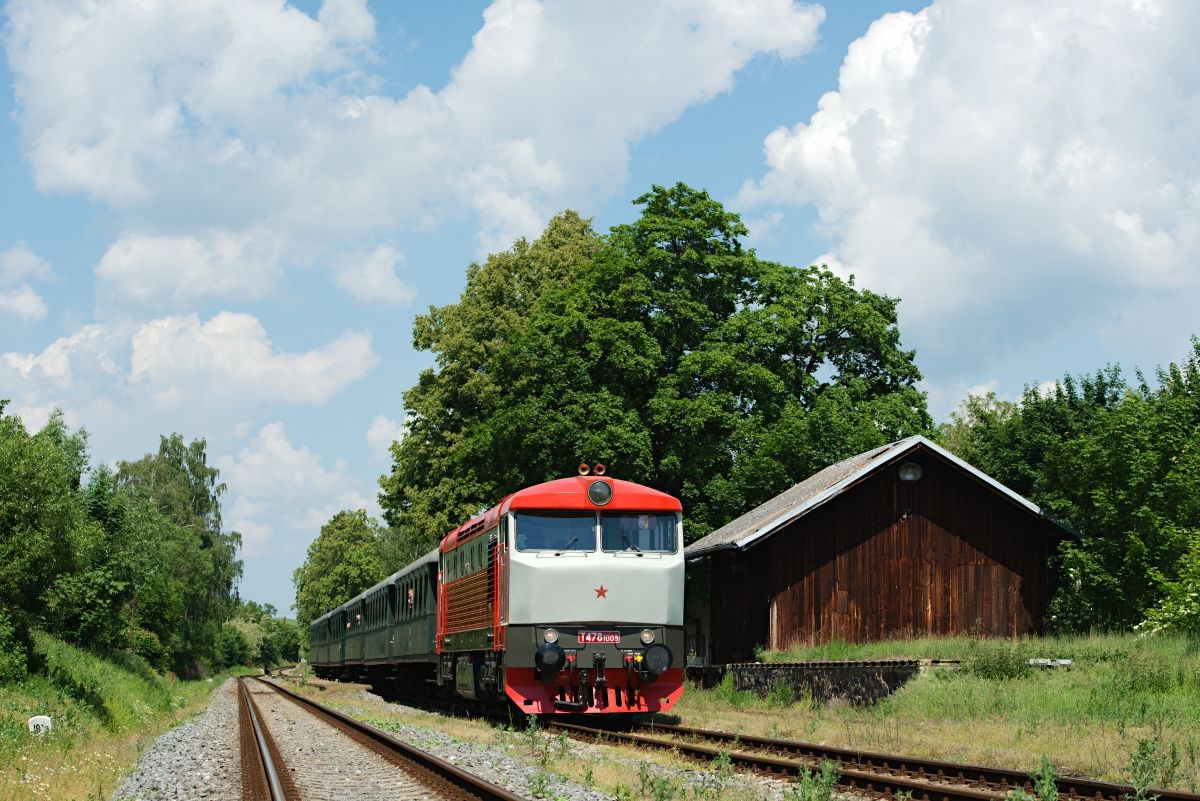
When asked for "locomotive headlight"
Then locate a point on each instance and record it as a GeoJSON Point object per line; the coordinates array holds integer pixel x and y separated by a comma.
{"type": "Point", "coordinates": [549, 659]}
{"type": "Point", "coordinates": [600, 492]}
{"type": "Point", "coordinates": [550, 636]}
{"type": "Point", "coordinates": [647, 636]}
{"type": "Point", "coordinates": [657, 659]}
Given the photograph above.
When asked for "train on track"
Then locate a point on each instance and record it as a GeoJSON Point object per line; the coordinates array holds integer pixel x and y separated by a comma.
{"type": "Point", "coordinates": [564, 598]}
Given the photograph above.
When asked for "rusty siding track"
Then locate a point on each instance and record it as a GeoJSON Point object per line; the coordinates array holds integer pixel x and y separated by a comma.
{"type": "Point", "coordinates": [882, 774]}
{"type": "Point", "coordinates": [261, 778]}
{"type": "Point", "coordinates": [444, 779]}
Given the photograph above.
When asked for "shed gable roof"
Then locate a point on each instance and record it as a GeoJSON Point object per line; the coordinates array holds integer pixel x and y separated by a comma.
{"type": "Point", "coordinates": [827, 484]}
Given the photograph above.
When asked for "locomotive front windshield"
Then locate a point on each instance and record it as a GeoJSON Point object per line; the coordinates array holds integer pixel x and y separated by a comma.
{"type": "Point", "coordinates": [646, 532]}
{"type": "Point", "coordinates": [549, 531]}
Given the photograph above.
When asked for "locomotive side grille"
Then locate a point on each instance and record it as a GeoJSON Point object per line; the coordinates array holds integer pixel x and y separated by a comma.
{"type": "Point", "coordinates": [467, 603]}
{"type": "Point", "coordinates": [470, 531]}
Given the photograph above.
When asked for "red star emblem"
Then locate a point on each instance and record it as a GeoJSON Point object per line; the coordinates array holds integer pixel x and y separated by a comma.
{"type": "Point", "coordinates": [601, 592]}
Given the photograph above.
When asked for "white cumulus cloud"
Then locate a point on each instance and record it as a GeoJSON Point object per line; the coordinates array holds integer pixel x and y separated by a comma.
{"type": "Point", "coordinates": [176, 373]}
{"type": "Point", "coordinates": [280, 490]}
{"type": "Point", "coordinates": [231, 355]}
{"type": "Point", "coordinates": [22, 302]}
{"type": "Point", "coordinates": [382, 432]}
{"type": "Point", "coordinates": [17, 297]}
{"type": "Point", "coordinates": [176, 271]}
{"type": "Point", "coordinates": [20, 262]}
{"type": "Point", "coordinates": [1010, 170]}
{"type": "Point", "coordinates": [192, 117]}
{"type": "Point", "coordinates": [371, 277]}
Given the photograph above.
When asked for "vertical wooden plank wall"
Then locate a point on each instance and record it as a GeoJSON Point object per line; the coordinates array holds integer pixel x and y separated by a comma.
{"type": "Point", "coordinates": [947, 555]}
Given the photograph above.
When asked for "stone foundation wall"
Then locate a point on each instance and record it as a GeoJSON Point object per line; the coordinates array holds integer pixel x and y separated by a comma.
{"type": "Point", "coordinates": [857, 682]}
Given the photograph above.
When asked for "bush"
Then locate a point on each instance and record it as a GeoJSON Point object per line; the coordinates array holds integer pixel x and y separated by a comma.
{"type": "Point", "coordinates": [146, 645]}
{"type": "Point", "coordinates": [135, 664]}
{"type": "Point", "coordinates": [232, 648]}
{"type": "Point", "coordinates": [12, 651]}
{"type": "Point", "coordinates": [780, 694]}
{"type": "Point", "coordinates": [726, 692]}
{"type": "Point", "coordinates": [997, 661]}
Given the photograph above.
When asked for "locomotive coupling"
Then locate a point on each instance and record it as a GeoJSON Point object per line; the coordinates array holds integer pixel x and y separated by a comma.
{"type": "Point", "coordinates": [598, 661]}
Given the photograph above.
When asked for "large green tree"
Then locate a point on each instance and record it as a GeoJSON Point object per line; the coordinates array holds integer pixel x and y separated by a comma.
{"type": "Point", "coordinates": [341, 562]}
{"type": "Point", "coordinates": [133, 559]}
{"type": "Point", "coordinates": [664, 349]}
{"type": "Point", "coordinates": [40, 519]}
{"type": "Point", "coordinates": [1120, 462]}
{"type": "Point", "coordinates": [183, 488]}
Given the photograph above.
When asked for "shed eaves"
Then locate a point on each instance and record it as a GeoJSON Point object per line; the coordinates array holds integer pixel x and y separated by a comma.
{"type": "Point", "coordinates": [794, 498]}
{"type": "Point", "coordinates": [790, 504]}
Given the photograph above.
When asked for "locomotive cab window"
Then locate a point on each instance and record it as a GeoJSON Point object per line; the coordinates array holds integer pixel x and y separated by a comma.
{"type": "Point", "coordinates": [556, 531]}
{"type": "Point", "coordinates": [639, 532]}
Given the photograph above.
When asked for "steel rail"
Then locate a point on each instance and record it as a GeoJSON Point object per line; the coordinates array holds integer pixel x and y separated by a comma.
{"type": "Point", "coordinates": [849, 779]}
{"type": "Point", "coordinates": [389, 746]}
{"type": "Point", "coordinates": [875, 777]}
{"type": "Point", "coordinates": [264, 782]}
{"type": "Point", "coordinates": [931, 770]}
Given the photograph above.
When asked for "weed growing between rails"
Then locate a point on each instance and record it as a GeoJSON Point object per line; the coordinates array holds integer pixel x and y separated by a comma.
{"type": "Point", "coordinates": [104, 716]}
{"type": "Point", "coordinates": [1044, 786]}
{"type": "Point", "coordinates": [996, 709]}
{"type": "Point", "coordinates": [813, 785]}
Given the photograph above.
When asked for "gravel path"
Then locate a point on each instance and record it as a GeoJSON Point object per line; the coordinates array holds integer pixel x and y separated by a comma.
{"type": "Point", "coordinates": [197, 761]}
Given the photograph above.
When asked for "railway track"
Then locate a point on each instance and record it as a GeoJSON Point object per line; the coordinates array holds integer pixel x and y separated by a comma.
{"type": "Point", "coordinates": [322, 754]}
{"type": "Point", "coordinates": [259, 753]}
{"type": "Point", "coordinates": [860, 771]}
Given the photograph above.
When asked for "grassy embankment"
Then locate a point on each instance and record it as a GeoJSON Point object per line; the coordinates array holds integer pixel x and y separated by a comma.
{"type": "Point", "coordinates": [104, 715]}
{"type": "Point", "coordinates": [1126, 706]}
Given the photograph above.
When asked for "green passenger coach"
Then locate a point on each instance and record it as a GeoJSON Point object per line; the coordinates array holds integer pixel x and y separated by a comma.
{"type": "Point", "coordinates": [392, 622]}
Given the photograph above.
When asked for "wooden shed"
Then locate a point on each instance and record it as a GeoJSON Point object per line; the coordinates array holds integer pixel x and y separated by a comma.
{"type": "Point", "coordinates": [906, 539]}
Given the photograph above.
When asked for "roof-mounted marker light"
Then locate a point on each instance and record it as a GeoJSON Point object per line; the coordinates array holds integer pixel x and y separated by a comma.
{"type": "Point", "coordinates": [600, 492]}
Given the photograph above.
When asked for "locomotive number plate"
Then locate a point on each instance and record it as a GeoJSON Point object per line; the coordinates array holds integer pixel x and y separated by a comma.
{"type": "Point", "coordinates": [601, 637]}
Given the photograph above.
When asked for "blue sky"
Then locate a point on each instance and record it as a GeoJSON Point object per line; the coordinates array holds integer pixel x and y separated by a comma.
{"type": "Point", "coordinates": [219, 217]}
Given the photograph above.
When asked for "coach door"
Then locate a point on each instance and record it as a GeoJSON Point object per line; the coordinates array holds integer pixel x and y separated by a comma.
{"type": "Point", "coordinates": [342, 626]}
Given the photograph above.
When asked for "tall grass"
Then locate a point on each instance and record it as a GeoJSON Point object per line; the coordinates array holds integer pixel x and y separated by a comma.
{"type": "Point", "coordinates": [103, 714]}
{"type": "Point", "coordinates": [1094, 717]}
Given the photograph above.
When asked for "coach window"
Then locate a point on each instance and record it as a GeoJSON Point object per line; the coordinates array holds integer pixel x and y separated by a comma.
{"type": "Point", "coordinates": [556, 531]}
{"type": "Point", "coordinates": [640, 532]}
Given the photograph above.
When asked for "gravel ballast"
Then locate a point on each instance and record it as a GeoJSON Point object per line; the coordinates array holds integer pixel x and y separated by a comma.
{"type": "Point", "coordinates": [511, 765]}
{"type": "Point", "coordinates": [197, 761]}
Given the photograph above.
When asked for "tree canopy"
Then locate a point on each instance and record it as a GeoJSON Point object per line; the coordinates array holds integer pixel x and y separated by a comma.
{"type": "Point", "coordinates": [664, 349]}
{"type": "Point", "coordinates": [1121, 463]}
{"type": "Point", "coordinates": [133, 559]}
{"type": "Point", "coordinates": [341, 562]}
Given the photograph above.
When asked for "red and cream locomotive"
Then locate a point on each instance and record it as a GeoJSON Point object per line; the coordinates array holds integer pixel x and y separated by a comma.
{"type": "Point", "coordinates": [566, 597]}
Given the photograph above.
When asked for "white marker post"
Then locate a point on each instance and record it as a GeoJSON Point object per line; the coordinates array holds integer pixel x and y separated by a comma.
{"type": "Point", "coordinates": [40, 724]}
